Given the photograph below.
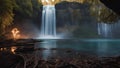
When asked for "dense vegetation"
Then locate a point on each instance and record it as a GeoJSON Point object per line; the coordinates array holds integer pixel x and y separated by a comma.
{"type": "Point", "coordinates": [6, 13]}
{"type": "Point", "coordinates": [9, 9]}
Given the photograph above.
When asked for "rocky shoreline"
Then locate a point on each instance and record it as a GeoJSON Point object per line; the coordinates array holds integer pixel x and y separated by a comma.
{"type": "Point", "coordinates": [19, 42]}
{"type": "Point", "coordinates": [72, 60]}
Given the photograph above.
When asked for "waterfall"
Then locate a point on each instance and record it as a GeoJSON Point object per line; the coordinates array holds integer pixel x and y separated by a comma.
{"type": "Point", "coordinates": [48, 27]}
{"type": "Point", "coordinates": [105, 30]}
{"type": "Point", "coordinates": [109, 30]}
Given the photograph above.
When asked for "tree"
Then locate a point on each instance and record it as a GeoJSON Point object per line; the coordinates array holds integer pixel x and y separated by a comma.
{"type": "Point", "coordinates": [24, 8]}
{"type": "Point", "coordinates": [6, 14]}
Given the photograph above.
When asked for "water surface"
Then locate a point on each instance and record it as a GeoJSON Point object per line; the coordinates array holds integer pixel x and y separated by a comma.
{"type": "Point", "coordinates": [99, 47]}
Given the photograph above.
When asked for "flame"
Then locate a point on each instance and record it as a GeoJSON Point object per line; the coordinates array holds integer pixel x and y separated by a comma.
{"type": "Point", "coordinates": [15, 33]}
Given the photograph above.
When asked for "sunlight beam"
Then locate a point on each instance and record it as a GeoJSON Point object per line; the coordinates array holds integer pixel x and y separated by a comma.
{"type": "Point", "coordinates": [49, 2]}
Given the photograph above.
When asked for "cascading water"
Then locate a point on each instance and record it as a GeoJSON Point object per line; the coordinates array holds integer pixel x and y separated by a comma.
{"type": "Point", "coordinates": [109, 30]}
{"type": "Point", "coordinates": [105, 29]}
{"type": "Point", "coordinates": [48, 27]}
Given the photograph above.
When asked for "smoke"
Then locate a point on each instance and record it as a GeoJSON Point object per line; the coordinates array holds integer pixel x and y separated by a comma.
{"type": "Point", "coordinates": [27, 28]}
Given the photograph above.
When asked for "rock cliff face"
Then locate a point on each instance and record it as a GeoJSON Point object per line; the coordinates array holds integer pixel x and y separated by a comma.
{"type": "Point", "coordinates": [72, 13]}
{"type": "Point", "coordinates": [112, 4]}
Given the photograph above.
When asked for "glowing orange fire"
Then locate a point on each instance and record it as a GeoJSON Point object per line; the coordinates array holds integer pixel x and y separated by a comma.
{"type": "Point", "coordinates": [15, 33]}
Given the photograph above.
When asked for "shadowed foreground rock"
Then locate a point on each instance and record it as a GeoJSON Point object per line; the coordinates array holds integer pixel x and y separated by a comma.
{"type": "Point", "coordinates": [75, 60]}
{"type": "Point", "coordinates": [9, 60]}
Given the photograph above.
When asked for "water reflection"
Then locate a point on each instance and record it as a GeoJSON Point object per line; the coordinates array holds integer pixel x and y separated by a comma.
{"type": "Point", "coordinates": [54, 48]}
{"type": "Point", "coordinates": [102, 48]}
{"type": "Point", "coordinates": [46, 47]}
{"type": "Point", "coordinates": [9, 49]}
{"type": "Point", "coordinates": [93, 47]}
{"type": "Point", "coordinates": [13, 48]}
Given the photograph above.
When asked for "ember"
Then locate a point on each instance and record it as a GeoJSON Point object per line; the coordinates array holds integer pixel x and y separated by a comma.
{"type": "Point", "coordinates": [15, 33]}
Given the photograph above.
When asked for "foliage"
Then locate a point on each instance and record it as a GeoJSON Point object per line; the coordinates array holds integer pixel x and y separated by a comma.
{"type": "Point", "coordinates": [102, 13]}
{"type": "Point", "coordinates": [108, 16]}
{"type": "Point", "coordinates": [27, 8]}
{"type": "Point", "coordinates": [36, 8]}
{"type": "Point", "coordinates": [6, 13]}
{"type": "Point", "coordinates": [24, 7]}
